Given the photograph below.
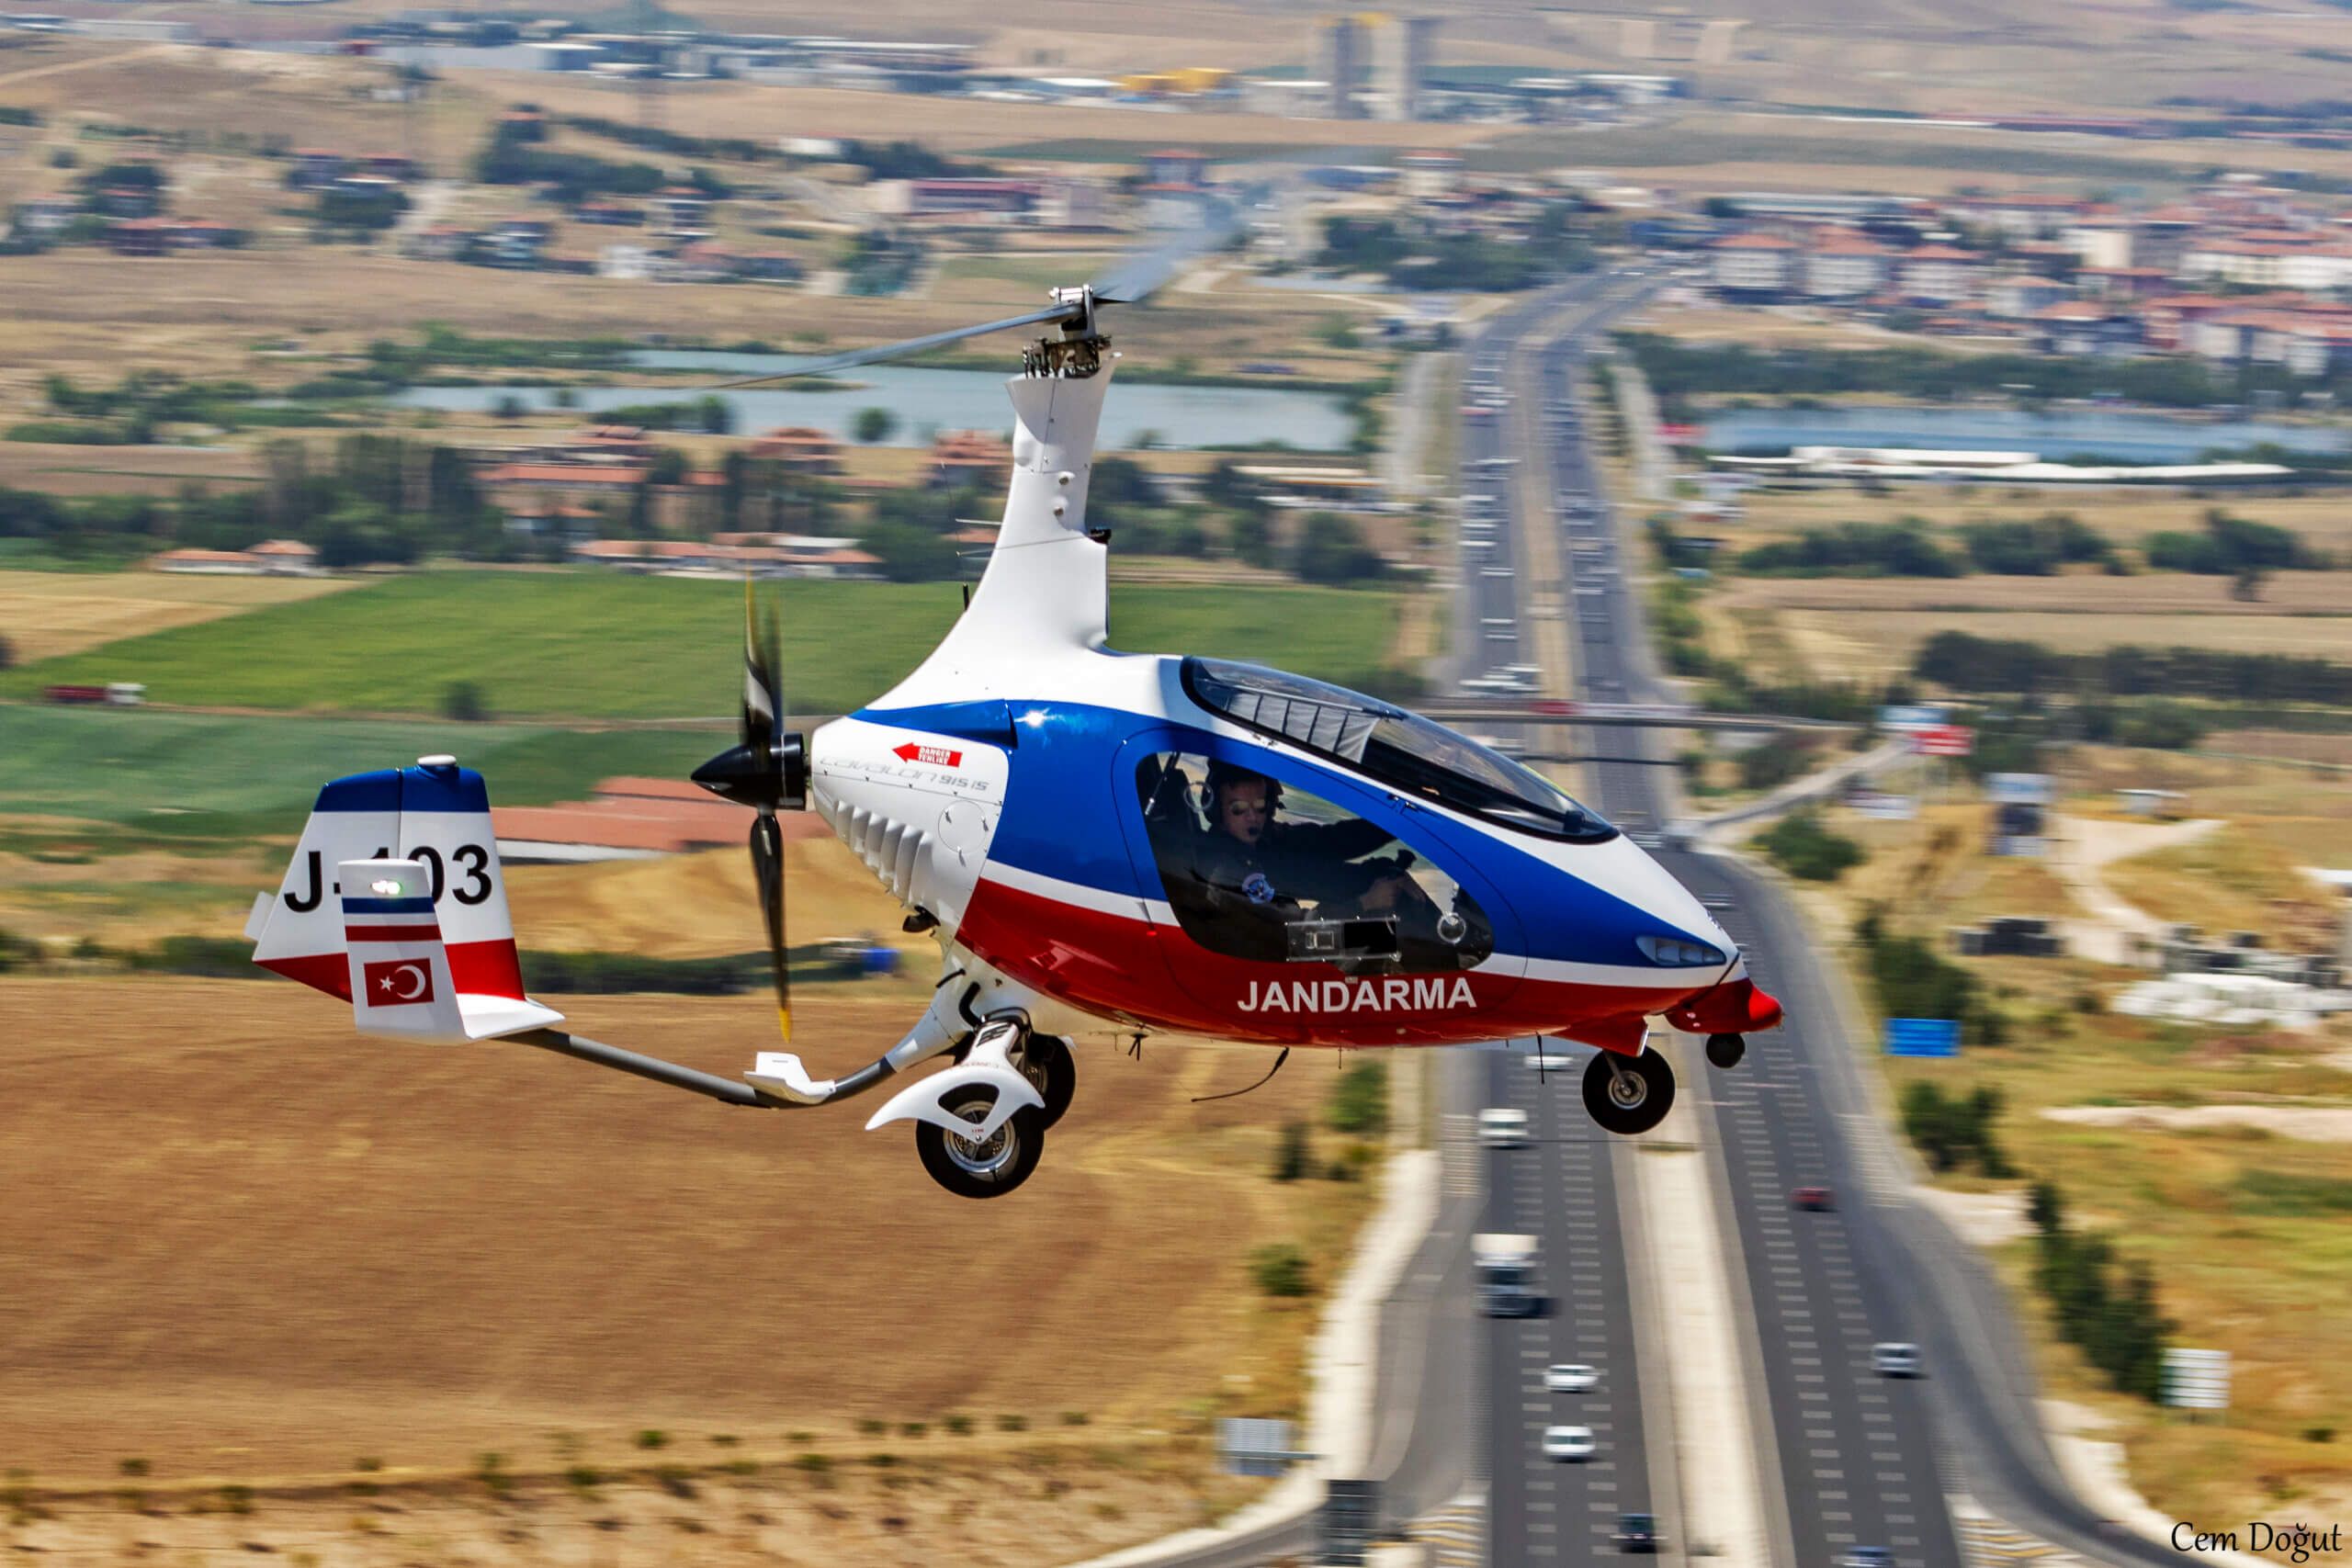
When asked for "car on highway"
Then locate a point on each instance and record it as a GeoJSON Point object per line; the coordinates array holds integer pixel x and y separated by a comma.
{"type": "Point", "coordinates": [1866, 1557]}
{"type": "Point", "coordinates": [1813, 1200]}
{"type": "Point", "coordinates": [1551, 1059]}
{"type": "Point", "coordinates": [1893, 1359]}
{"type": "Point", "coordinates": [1568, 1377]}
{"type": "Point", "coordinates": [1569, 1443]}
{"type": "Point", "coordinates": [1635, 1532]}
{"type": "Point", "coordinates": [1502, 1127]}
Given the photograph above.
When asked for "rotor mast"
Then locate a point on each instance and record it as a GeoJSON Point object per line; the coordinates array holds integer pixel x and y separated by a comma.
{"type": "Point", "coordinates": [1077, 352]}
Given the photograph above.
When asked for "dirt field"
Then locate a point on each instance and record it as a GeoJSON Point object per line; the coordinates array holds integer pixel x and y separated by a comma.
{"type": "Point", "coordinates": [254, 1256]}
{"type": "Point", "coordinates": [1009, 1504]}
{"type": "Point", "coordinates": [48, 612]}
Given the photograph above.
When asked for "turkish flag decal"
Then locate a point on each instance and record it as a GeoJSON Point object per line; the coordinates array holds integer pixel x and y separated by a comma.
{"type": "Point", "coordinates": [397, 982]}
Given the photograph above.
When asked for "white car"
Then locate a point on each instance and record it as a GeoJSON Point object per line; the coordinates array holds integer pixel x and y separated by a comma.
{"type": "Point", "coordinates": [1502, 1127]}
{"type": "Point", "coordinates": [1569, 1378]}
{"type": "Point", "coordinates": [1568, 1442]}
{"type": "Point", "coordinates": [1895, 1360]}
{"type": "Point", "coordinates": [1553, 1058]}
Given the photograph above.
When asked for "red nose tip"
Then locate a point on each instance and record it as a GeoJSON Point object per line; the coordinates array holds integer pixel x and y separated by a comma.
{"type": "Point", "coordinates": [1735, 1007]}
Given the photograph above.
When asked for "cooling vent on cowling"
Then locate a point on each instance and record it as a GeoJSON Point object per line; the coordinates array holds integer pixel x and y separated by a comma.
{"type": "Point", "coordinates": [889, 847]}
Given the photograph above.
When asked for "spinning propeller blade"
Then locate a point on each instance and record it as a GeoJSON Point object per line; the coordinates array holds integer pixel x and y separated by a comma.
{"type": "Point", "coordinates": [765, 772]}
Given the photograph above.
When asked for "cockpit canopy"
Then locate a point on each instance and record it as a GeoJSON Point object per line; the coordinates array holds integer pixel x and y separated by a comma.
{"type": "Point", "coordinates": [1400, 749]}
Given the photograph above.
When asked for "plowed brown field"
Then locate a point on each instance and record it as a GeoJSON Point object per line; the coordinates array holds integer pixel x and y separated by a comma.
{"type": "Point", "coordinates": [241, 1243]}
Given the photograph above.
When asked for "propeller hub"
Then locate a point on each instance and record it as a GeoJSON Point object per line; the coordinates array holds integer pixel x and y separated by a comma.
{"type": "Point", "coordinates": [772, 777]}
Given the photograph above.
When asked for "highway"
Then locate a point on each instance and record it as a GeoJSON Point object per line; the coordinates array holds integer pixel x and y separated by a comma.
{"type": "Point", "coordinates": [1860, 1460]}
{"type": "Point", "coordinates": [1567, 1187]}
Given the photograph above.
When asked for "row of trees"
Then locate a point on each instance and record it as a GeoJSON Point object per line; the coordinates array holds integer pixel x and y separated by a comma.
{"type": "Point", "coordinates": [2102, 1304]}
{"type": "Point", "coordinates": [2228, 545]}
{"type": "Point", "coordinates": [1680, 371]}
{"type": "Point", "coordinates": [1960, 662]}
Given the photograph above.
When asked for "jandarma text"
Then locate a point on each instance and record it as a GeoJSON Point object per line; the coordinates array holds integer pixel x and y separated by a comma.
{"type": "Point", "coordinates": [2294, 1542]}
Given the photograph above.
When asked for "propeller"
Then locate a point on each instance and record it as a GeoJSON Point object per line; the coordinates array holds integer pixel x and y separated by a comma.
{"type": "Point", "coordinates": [766, 770]}
{"type": "Point", "coordinates": [1131, 279]}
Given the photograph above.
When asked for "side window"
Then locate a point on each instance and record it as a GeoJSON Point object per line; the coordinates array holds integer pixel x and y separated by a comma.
{"type": "Point", "coordinates": [1262, 870]}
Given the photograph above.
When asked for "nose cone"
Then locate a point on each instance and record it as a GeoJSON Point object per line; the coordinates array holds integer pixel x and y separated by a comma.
{"type": "Point", "coordinates": [742, 774]}
{"type": "Point", "coordinates": [1631, 874]}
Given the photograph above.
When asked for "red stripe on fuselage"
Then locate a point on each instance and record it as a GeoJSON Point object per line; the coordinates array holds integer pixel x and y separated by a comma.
{"type": "Point", "coordinates": [1127, 968]}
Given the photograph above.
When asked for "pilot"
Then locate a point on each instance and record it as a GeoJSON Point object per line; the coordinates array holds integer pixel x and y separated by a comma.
{"type": "Point", "coordinates": [1276, 863]}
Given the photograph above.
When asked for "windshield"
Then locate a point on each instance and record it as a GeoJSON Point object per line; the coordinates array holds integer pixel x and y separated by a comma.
{"type": "Point", "coordinates": [1401, 749]}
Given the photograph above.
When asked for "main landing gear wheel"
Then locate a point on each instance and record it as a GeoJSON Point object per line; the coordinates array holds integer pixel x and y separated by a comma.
{"type": "Point", "coordinates": [1725, 1050]}
{"type": "Point", "coordinates": [982, 1167]}
{"type": "Point", "coordinates": [1047, 1062]}
{"type": "Point", "coordinates": [1628, 1097]}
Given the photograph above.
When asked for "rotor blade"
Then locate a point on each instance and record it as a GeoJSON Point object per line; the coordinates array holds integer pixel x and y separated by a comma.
{"type": "Point", "coordinates": [905, 346]}
{"type": "Point", "coordinates": [767, 869]}
{"type": "Point", "coordinates": [1135, 277]}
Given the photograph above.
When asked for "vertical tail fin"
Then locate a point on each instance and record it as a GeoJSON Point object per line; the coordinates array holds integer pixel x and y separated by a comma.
{"type": "Point", "coordinates": [436, 815]}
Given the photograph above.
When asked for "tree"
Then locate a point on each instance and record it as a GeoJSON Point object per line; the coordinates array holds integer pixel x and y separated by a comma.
{"type": "Point", "coordinates": [1280, 1269]}
{"type": "Point", "coordinates": [7, 653]}
{"type": "Point", "coordinates": [509, 406]}
{"type": "Point", "coordinates": [1332, 549]}
{"type": "Point", "coordinates": [873, 425]}
{"type": "Point", "coordinates": [2046, 1207]}
{"type": "Point", "coordinates": [1290, 1153]}
{"type": "Point", "coordinates": [462, 701]}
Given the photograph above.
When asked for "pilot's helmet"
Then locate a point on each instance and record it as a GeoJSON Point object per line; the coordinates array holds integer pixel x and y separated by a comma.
{"type": "Point", "coordinates": [1224, 775]}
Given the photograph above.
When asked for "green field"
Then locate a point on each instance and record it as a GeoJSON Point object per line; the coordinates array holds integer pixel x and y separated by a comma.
{"type": "Point", "coordinates": [576, 645]}
{"type": "Point", "coordinates": [161, 776]}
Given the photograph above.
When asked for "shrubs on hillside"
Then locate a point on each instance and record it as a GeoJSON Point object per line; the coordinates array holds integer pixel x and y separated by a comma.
{"type": "Point", "coordinates": [1910, 979]}
{"type": "Point", "coordinates": [1955, 1130]}
{"type": "Point", "coordinates": [1801, 846]}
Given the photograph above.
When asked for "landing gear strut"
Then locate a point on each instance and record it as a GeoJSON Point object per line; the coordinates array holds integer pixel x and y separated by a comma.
{"type": "Point", "coordinates": [1627, 1096]}
{"type": "Point", "coordinates": [1725, 1050]}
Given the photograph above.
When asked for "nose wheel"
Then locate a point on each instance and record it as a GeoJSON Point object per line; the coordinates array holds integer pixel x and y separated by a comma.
{"type": "Point", "coordinates": [977, 1166]}
{"type": "Point", "coordinates": [1627, 1096]}
{"type": "Point", "coordinates": [1725, 1050]}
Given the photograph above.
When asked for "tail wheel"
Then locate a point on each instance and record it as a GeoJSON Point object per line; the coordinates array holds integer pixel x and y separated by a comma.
{"type": "Point", "coordinates": [982, 1167]}
{"type": "Point", "coordinates": [1628, 1097]}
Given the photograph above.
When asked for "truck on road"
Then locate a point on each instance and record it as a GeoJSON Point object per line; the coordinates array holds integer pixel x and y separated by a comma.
{"type": "Point", "coordinates": [1505, 1265]}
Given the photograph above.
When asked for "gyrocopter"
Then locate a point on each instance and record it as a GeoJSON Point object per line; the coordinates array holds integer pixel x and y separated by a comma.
{"type": "Point", "coordinates": [1107, 847]}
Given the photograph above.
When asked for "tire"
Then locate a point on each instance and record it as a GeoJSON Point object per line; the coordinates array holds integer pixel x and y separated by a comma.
{"type": "Point", "coordinates": [1725, 1050]}
{"type": "Point", "coordinates": [993, 1171]}
{"type": "Point", "coordinates": [1052, 1069]}
{"type": "Point", "coordinates": [1635, 1103]}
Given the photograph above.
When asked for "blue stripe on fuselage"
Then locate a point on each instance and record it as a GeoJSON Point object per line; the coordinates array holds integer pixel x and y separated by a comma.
{"type": "Point", "coordinates": [1063, 805]}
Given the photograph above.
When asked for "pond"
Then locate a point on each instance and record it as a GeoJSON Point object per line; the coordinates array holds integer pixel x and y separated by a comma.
{"type": "Point", "coordinates": [929, 401]}
{"type": "Point", "coordinates": [2059, 434]}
